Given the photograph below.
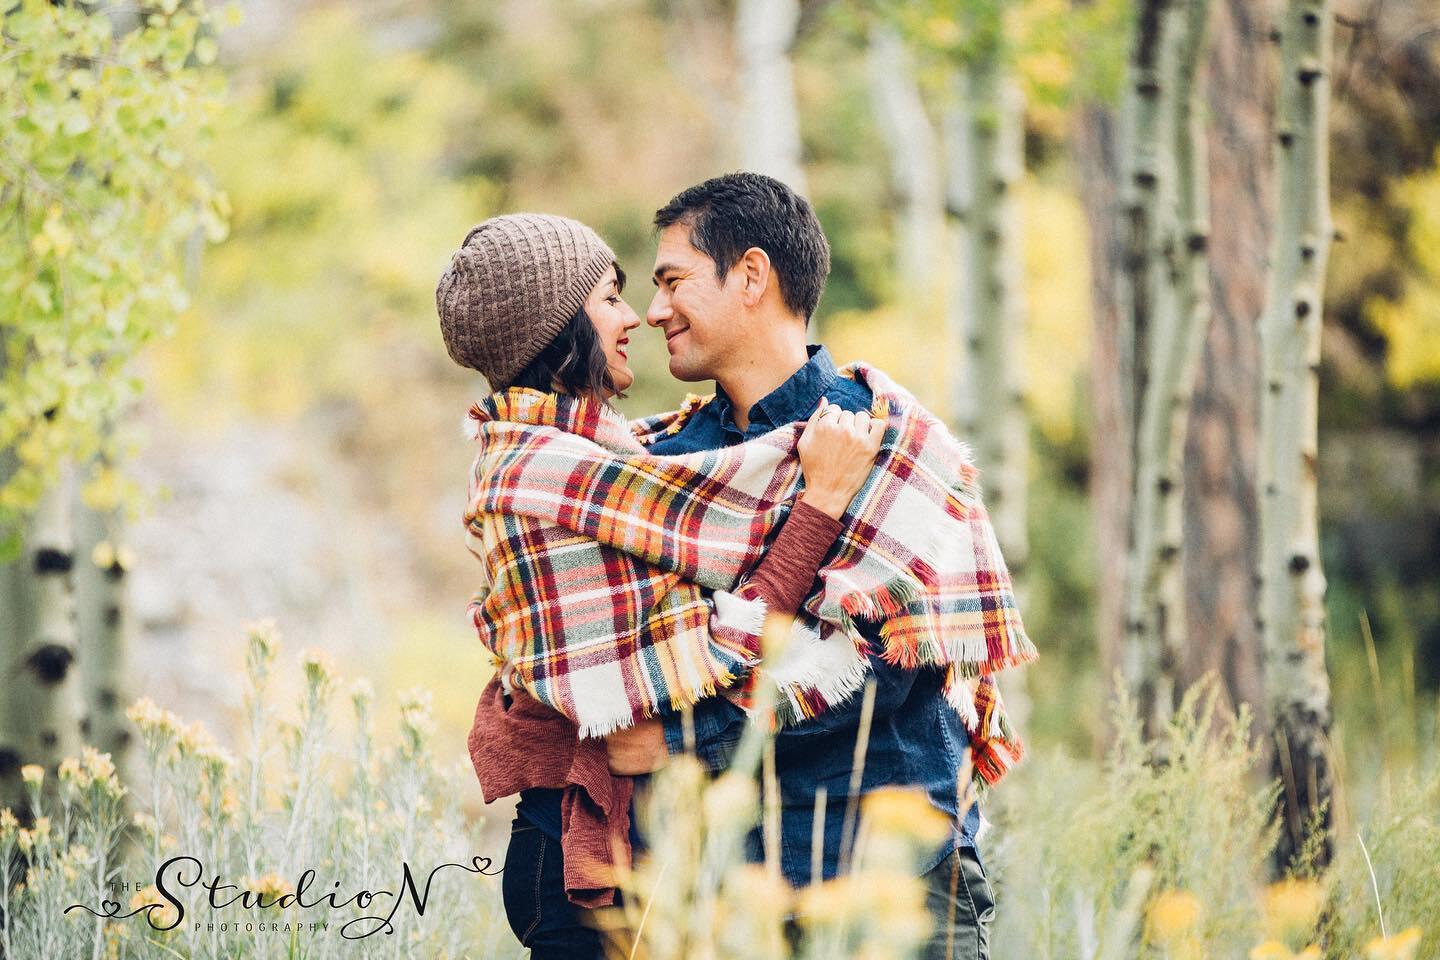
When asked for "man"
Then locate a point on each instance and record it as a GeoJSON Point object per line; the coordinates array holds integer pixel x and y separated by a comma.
{"type": "Point", "coordinates": [739, 270]}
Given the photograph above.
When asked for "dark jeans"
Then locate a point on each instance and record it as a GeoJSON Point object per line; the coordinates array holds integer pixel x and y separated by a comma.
{"type": "Point", "coordinates": [961, 905]}
{"type": "Point", "coordinates": [542, 917]}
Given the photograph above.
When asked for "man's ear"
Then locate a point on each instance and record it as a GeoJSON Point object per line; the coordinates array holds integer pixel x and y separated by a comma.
{"type": "Point", "coordinates": [754, 267]}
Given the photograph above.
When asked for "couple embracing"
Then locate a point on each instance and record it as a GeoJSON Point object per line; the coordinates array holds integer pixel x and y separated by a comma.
{"type": "Point", "coordinates": [629, 568]}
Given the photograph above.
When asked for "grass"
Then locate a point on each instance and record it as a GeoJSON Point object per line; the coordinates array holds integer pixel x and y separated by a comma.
{"type": "Point", "coordinates": [1125, 858]}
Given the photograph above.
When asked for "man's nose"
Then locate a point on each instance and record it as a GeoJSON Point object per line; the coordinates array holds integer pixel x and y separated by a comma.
{"type": "Point", "coordinates": [659, 310]}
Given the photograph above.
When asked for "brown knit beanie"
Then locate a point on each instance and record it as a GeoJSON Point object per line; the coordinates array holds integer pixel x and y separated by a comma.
{"type": "Point", "coordinates": [511, 288]}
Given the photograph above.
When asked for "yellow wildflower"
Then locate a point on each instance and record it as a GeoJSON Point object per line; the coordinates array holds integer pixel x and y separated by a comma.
{"type": "Point", "coordinates": [71, 772]}
{"type": "Point", "coordinates": [415, 707]}
{"type": "Point", "coordinates": [891, 899]}
{"type": "Point", "coordinates": [33, 774]}
{"type": "Point", "coordinates": [1401, 946]}
{"type": "Point", "coordinates": [271, 887]}
{"type": "Point", "coordinates": [1173, 914]}
{"type": "Point", "coordinates": [215, 760]}
{"type": "Point", "coordinates": [156, 725]}
{"type": "Point", "coordinates": [166, 913]}
{"type": "Point", "coordinates": [97, 764]}
{"type": "Point", "coordinates": [730, 801]}
{"type": "Point", "coordinates": [905, 812]}
{"type": "Point", "coordinates": [103, 556]}
{"type": "Point", "coordinates": [318, 666]}
{"type": "Point", "coordinates": [1291, 909]}
{"type": "Point", "coordinates": [362, 693]}
{"type": "Point", "coordinates": [752, 887]}
{"type": "Point", "coordinates": [8, 823]}
{"type": "Point", "coordinates": [775, 637]}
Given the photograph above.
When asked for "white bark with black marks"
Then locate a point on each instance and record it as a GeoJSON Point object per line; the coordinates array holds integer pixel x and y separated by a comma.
{"type": "Point", "coordinates": [1166, 295]}
{"type": "Point", "coordinates": [102, 616]}
{"type": "Point", "coordinates": [42, 684]}
{"type": "Point", "coordinates": [1292, 583]}
{"type": "Point", "coordinates": [984, 166]}
{"type": "Point", "coordinates": [769, 121]}
{"type": "Point", "coordinates": [914, 166]}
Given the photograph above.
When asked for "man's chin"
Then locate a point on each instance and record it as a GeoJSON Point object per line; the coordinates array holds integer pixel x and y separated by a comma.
{"type": "Point", "coordinates": [685, 372]}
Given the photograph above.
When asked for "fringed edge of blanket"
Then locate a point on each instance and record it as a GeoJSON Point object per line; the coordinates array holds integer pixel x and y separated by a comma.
{"type": "Point", "coordinates": [738, 620]}
{"type": "Point", "coordinates": [995, 747]}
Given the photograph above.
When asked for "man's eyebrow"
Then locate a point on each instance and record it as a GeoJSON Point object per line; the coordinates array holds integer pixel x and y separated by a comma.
{"type": "Point", "coordinates": [663, 268]}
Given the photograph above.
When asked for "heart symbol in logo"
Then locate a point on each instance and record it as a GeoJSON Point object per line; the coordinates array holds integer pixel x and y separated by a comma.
{"type": "Point", "coordinates": [111, 907]}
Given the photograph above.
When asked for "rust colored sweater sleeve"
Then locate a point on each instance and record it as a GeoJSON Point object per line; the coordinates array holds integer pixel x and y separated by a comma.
{"type": "Point", "coordinates": [784, 575]}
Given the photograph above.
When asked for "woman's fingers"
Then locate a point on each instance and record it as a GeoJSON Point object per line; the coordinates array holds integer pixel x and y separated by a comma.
{"type": "Point", "coordinates": [816, 414]}
{"type": "Point", "coordinates": [876, 430]}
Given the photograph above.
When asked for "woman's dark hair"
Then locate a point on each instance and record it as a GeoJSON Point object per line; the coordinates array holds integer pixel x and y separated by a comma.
{"type": "Point", "coordinates": [574, 362]}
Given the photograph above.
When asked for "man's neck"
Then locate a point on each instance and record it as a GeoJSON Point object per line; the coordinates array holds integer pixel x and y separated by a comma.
{"type": "Point", "coordinates": [760, 375]}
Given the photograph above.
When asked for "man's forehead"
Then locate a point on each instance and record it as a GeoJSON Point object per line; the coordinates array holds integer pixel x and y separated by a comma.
{"type": "Point", "coordinates": [675, 243]}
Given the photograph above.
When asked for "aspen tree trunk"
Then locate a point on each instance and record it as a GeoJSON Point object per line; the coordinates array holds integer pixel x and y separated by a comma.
{"type": "Point", "coordinates": [914, 165]}
{"type": "Point", "coordinates": [1221, 518]}
{"type": "Point", "coordinates": [44, 690]}
{"type": "Point", "coordinates": [984, 132]}
{"type": "Point", "coordinates": [1292, 584]}
{"type": "Point", "coordinates": [769, 128]}
{"type": "Point", "coordinates": [1147, 317]}
{"type": "Point", "coordinates": [1175, 286]}
{"type": "Point", "coordinates": [984, 165]}
{"type": "Point", "coordinates": [102, 564]}
{"type": "Point", "coordinates": [12, 630]}
{"type": "Point", "coordinates": [1176, 367]}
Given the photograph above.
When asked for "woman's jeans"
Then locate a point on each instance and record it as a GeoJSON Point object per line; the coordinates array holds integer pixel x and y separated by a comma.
{"type": "Point", "coordinates": [533, 885]}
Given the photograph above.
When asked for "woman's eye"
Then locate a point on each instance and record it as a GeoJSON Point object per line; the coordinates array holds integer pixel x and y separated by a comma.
{"type": "Point", "coordinates": [613, 300]}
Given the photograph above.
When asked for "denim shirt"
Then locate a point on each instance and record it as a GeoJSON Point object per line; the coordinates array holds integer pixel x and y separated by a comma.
{"type": "Point", "coordinates": [916, 737]}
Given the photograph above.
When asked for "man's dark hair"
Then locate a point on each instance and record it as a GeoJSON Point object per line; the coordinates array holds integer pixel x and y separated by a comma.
{"type": "Point", "coordinates": [729, 214]}
{"type": "Point", "coordinates": [574, 362]}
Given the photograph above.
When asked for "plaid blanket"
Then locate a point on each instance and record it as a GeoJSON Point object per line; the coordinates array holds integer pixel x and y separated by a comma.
{"type": "Point", "coordinates": [610, 571]}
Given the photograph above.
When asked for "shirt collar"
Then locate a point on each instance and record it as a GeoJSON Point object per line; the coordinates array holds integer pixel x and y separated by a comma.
{"type": "Point", "coordinates": [792, 400]}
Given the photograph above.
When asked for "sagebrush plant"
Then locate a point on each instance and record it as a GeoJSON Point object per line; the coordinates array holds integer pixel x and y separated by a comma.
{"type": "Point", "coordinates": [1391, 884]}
{"type": "Point", "coordinates": [1195, 823]}
{"type": "Point", "coordinates": [296, 799]}
{"type": "Point", "coordinates": [1164, 851]}
{"type": "Point", "coordinates": [1134, 859]}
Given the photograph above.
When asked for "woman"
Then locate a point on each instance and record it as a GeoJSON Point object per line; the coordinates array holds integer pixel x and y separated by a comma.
{"type": "Point", "coordinates": [533, 303]}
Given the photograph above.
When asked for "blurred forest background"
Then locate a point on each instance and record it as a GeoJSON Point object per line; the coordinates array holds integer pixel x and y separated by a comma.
{"type": "Point", "coordinates": [295, 450]}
